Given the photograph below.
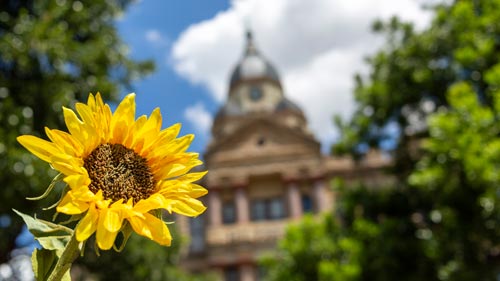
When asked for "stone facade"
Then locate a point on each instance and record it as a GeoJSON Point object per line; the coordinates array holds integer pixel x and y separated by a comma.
{"type": "Point", "coordinates": [265, 171]}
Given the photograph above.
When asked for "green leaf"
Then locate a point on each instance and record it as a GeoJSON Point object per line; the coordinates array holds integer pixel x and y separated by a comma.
{"type": "Point", "coordinates": [50, 235]}
{"type": "Point", "coordinates": [43, 261]}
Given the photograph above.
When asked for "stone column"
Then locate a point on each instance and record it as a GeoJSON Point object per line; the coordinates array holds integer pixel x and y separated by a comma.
{"type": "Point", "coordinates": [241, 199]}
{"type": "Point", "coordinates": [246, 273]}
{"type": "Point", "coordinates": [215, 208]}
{"type": "Point", "coordinates": [320, 195]}
{"type": "Point", "coordinates": [294, 200]}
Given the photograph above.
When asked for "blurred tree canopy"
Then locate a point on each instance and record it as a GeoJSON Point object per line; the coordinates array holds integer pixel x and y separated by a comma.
{"type": "Point", "coordinates": [52, 53]}
{"type": "Point", "coordinates": [410, 75]}
{"type": "Point", "coordinates": [442, 224]}
{"type": "Point", "coordinates": [370, 237]}
{"type": "Point", "coordinates": [461, 171]}
{"type": "Point", "coordinates": [434, 96]}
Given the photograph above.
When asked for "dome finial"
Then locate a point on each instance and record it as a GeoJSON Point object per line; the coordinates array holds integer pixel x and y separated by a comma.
{"type": "Point", "coordinates": [250, 46]}
{"type": "Point", "coordinates": [249, 35]}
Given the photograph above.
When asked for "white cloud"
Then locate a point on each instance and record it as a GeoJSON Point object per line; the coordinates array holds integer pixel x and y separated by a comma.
{"type": "Point", "coordinates": [317, 46]}
{"type": "Point", "coordinates": [199, 117]}
{"type": "Point", "coordinates": [154, 37]}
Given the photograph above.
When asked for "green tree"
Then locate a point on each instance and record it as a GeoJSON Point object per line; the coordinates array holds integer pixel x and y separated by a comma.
{"type": "Point", "coordinates": [451, 72]}
{"type": "Point", "coordinates": [370, 237]}
{"type": "Point", "coordinates": [52, 53]}
{"type": "Point", "coordinates": [410, 75]}
{"type": "Point", "coordinates": [440, 87]}
{"type": "Point", "coordinates": [314, 249]}
{"type": "Point", "coordinates": [461, 169]}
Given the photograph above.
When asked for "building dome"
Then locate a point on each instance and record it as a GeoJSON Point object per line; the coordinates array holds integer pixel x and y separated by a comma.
{"type": "Point", "coordinates": [255, 93]}
{"type": "Point", "coordinates": [253, 66]}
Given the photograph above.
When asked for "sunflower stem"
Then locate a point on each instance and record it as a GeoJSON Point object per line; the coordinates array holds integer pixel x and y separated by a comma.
{"type": "Point", "coordinates": [68, 256]}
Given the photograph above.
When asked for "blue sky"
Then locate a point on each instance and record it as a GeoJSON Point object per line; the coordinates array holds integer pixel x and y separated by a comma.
{"type": "Point", "coordinates": [149, 28]}
{"type": "Point", "coordinates": [317, 46]}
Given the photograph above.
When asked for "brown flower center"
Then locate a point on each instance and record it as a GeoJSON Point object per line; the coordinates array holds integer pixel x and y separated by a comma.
{"type": "Point", "coordinates": [119, 172]}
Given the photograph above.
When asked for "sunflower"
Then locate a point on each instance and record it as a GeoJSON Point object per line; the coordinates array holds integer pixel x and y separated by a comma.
{"type": "Point", "coordinates": [120, 171]}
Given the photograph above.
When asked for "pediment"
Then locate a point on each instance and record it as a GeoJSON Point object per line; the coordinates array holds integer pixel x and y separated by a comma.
{"type": "Point", "coordinates": [262, 140]}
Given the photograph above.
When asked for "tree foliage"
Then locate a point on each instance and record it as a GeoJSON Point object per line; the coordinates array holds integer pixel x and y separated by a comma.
{"type": "Point", "coordinates": [440, 87]}
{"type": "Point", "coordinates": [314, 250]}
{"type": "Point", "coordinates": [410, 75]}
{"type": "Point", "coordinates": [52, 53]}
{"type": "Point", "coordinates": [372, 236]}
{"type": "Point", "coordinates": [461, 170]}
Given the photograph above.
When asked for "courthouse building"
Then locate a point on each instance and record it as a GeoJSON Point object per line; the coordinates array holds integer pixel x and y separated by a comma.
{"type": "Point", "coordinates": [266, 170]}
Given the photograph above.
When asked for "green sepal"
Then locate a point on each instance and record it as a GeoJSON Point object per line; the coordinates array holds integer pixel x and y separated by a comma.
{"type": "Point", "coordinates": [160, 215]}
{"type": "Point", "coordinates": [126, 231]}
{"type": "Point", "coordinates": [51, 186]}
{"type": "Point", "coordinates": [66, 189]}
{"type": "Point", "coordinates": [50, 235]}
{"type": "Point", "coordinates": [73, 218]}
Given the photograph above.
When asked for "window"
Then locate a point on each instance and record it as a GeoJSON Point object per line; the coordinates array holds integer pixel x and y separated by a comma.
{"type": "Point", "coordinates": [268, 209]}
{"type": "Point", "coordinates": [228, 213]}
{"type": "Point", "coordinates": [276, 209]}
{"type": "Point", "coordinates": [261, 141]}
{"type": "Point", "coordinates": [260, 273]}
{"type": "Point", "coordinates": [197, 231]}
{"type": "Point", "coordinates": [258, 211]}
{"type": "Point", "coordinates": [307, 204]}
{"type": "Point", "coordinates": [231, 274]}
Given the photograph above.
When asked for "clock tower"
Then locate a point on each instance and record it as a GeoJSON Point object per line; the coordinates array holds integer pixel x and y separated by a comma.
{"type": "Point", "coordinates": [265, 170]}
{"type": "Point", "coordinates": [255, 91]}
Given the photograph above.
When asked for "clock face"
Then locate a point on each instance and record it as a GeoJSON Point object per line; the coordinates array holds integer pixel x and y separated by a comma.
{"type": "Point", "coordinates": [255, 93]}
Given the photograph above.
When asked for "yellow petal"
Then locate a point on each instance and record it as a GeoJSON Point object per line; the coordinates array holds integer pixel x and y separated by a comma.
{"type": "Point", "coordinates": [132, 138]}
{"type": "Point", "coordinates": [86, 114]}
{"type": "Point", "coordinates": [154, 121]}
{"type": "Point", "coordinates": [152, 228]}
{"type": "Point", "coordinates": [39, 147]}
{"type": "Point", "coordinates": [188, 207]}
{"type": "Point", "coordinates": [169, 133]}
{"type": "Point", "coordinates": [88, 225]}
{"type": "Point", "coordinates": [77, 181]}
{"type": "Point", "coordinates": [180, 169]}
{"type": "Point", "coordinates": [70, 206]}
{"type": "Point", "coordinates": [105, 123]}
{"type": "Point", "coordinates": [197, 191]}
{"type": "Point", "coordinates": [148, 132]}
{"type": "Point", "coordinates": [171, 188]}
{"type": "Point", "coordinates": [174, 166]}
{"type": "Point", "coordinates": [112, 219]}
{"type": "Point", "coordinates": [74, 125]}
{"type": "Point", "coordinates": [91, 102]}
{"type": "Point", "coordinates": [65, 142]}
{"type": "Point", "coordinates": [123, 118]}
{"type": "Point", "coordinates": [155, 201]}
{"type": "Point", "coordinates": [179, 145]}
{"type": "Point", "coordinates": [191, 177]}
{"type": "Point", "coordinates": [68, 164]}
{"type": "Point", "coordinates": [103, 115]}
{"type": "Point", "coordinates": [164, 137]}
{"type": "Point", "coordinates": [105, 238]}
